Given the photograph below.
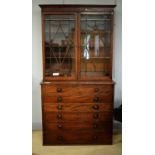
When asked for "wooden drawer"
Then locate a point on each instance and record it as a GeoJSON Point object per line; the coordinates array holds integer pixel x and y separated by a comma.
{"type": "Point", "coordinates": [77, 90]}
{"type": "Point", "coordinates": [77, 138]}
{"type": "Point", "coordinates": [77, 107]}
{"type": "Point", "coordinates": [77, 117]}
{"type": "Point", "coordinates": [78, 126]}
{"type": "Point", "coordinates": [99, 98]}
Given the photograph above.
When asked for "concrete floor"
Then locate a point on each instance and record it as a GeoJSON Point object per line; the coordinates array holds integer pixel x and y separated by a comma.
{"type": "Point", "coordinates": [38, 149]}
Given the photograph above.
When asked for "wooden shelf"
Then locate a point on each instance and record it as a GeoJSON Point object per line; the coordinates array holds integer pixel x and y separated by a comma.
{"type": "Point", "coordinates": [60, 57]}
{"type": "Point", "coordinates": [59, 46]}
{"type": "Point", "coordinates": [59, 19]}
{"type": "Point", "coordinates": [100, 31]}
{"type": "Point", "coordinates": [97, 58]}
{"type": "Point", "coordinates": [93, 74]}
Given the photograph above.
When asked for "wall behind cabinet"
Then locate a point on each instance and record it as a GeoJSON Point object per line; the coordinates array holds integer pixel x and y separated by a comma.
{"type": "Point", "coordinates": [37, 53]}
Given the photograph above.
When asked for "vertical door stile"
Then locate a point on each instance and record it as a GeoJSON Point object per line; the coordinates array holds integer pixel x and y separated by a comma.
{"type": "Point", "coordinates": [111, 44]}
{"type": "Point", "coordinates": [104, 45]}
{"type": "Point", "coordinates": [43, 44]}
{"type": "Point", "coordinates": [75, 43]}
{"type": "Point", "coordinates": [78, 47]}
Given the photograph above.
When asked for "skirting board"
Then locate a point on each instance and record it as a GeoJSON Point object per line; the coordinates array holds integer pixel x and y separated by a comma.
{"type": "Point", "coordinates": [36, 126]}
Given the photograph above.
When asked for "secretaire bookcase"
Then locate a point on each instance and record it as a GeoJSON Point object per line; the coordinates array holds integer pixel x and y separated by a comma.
{"type": "Point", "coordinates": [77, 88]}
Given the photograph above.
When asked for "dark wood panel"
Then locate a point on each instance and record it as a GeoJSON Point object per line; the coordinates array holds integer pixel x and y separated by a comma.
{"type": "Point", "coordinates": [76, 127]}
{"type": "Point", "coordinates": [77, 107]}
{"type": "Point", "coordinates": [77, 138]}
{"type": "Point", "coordinates": [77, 8]}
{"type": "Point", "coordinates": [77, 117]}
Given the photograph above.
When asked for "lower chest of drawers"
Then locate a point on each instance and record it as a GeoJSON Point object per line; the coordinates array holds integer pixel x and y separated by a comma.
{"type": "Point", "coordinates": [77, 114]}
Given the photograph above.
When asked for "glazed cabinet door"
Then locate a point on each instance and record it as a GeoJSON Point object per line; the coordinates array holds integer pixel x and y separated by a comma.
{"type": "Point", "coordinates": [59, 43]}
{"type": "Point", "coordinates": [95, 45]}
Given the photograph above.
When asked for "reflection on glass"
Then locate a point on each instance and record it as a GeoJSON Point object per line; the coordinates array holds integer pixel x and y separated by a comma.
{"type": "Point", "coordinates": [86, 47]}
{"type": "Point", "coordinates": [95, 45]}
{"type": "Point", "coordinates": [59, 45]}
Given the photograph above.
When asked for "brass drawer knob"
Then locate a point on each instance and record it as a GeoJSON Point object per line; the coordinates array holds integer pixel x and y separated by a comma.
{"type": "Point", "coordinates": [96, 107]}
{"type": "Point", "coordinates": [96, 99]}
{"type": "Point", "coordinates": [95, 116]}
{"type": "Point", "coordinates": [94, 126]}
{"type": "Point", "coordinates": [96, 89]}
{"type": "Point", "coordinates": [60, 126]}
{"type": "Point", "coordinates": [59, 99]}
{"type": "Point", "coordinates": [59, 116]}
{"type": "Point", "coordinates": [60, 138]}
{"type": "Point", "coordinates": [59, 107]}
{"type": "Point", "coordinates": [59, 90]}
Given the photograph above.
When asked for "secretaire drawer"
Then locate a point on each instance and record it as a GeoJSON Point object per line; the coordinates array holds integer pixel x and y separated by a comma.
{"type": "Point", "coordinates": [77, 107]}
{"type": "Point", "coordinates": [70, 90]}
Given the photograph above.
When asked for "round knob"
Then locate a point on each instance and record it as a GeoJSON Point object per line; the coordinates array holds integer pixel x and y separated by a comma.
{"type": "Point", "coordinates": [59, 116]}
{"type": "Point", "coordinates": [59, 90]}
{"type": "Point", "coordinates": [59, 99]}
{"type": "Point", "coordinates": [59, 107]}
{"type": "Point", "coordinates": [95, 116]}
{"type": "Point", "coordinates": [60, 126]}
{"type": "Point", "coordinates": [94, 126]}
{"type": "Point", "coordinates": [95, 107]}
{"type": "Point", "coordinates": [96, 99]}
{"type": "Point", "coordinates": [96, 89]}
{"type": "Point", "coordinates": [60, 138]}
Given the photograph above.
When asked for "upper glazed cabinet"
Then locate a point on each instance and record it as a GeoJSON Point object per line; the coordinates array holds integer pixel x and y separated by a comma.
{"type": "Point", "coordinates": [77, 43]}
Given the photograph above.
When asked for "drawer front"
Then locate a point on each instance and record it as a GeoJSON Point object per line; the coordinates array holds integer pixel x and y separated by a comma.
{"type": "Point", "coordinates": [71, 90]}
{"type": "Point", "coordinates": [77, 138]}
{"type": "Point", "coordinates": [76, 127]}
{"type": "Point", "coordinates": [77, 117]}
{"type": "Point", "coordinates": [100, 98]}
{"type": "Point", "coordinates": [77, 107]}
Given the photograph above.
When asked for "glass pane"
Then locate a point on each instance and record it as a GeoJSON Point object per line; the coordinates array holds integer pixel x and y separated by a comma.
{"type": "Point", "coordinates": [95, 45]}
{"type": "Point", "coordinates": [59, 45]}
